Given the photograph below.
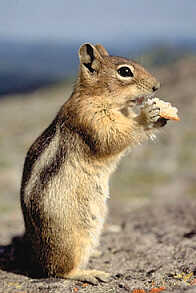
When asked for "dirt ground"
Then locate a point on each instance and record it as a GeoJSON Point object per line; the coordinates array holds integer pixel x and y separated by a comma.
{"type": "Point", "coordinates": [154, 247]}
{"type": "Point", "coordinates": [153, 198]}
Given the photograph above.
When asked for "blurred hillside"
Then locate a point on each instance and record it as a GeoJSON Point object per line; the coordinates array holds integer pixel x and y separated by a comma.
{"type": "Point", "coordinates": [29, 65]}
{"type": "Point", "coordinates": [167, 166]}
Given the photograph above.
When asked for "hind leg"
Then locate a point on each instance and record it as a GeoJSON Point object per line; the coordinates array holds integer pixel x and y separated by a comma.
{"type": "Point", "coordinates": [80, 260]}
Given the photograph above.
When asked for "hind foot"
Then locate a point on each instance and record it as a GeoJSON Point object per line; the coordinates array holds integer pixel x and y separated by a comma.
{"type": "Point", "coordinates": [89, 276]}
{"type": "Point", "coordinates": [96, 253]}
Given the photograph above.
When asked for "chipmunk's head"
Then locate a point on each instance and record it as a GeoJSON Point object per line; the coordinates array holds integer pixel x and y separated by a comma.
{"type": "Point", "coordinates": [122, 82]}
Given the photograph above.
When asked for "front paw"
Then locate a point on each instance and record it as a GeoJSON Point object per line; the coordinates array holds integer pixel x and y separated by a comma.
{"type": "Point", "coordinates": [151, 113]}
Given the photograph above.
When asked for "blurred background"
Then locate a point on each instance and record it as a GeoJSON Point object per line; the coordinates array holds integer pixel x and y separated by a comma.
{"type": "Point", "coordinates": [39, 41]}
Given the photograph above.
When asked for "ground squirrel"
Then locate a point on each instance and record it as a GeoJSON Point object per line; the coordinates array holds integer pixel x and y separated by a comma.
{"type": "Point", "coordinates": [66, 172]}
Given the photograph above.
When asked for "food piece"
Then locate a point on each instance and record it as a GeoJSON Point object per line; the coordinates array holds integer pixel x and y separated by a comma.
{"type": "Point", "coordinates": [166, 110]}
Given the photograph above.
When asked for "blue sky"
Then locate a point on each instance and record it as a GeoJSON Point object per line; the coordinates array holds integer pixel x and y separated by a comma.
{"type": "Point", "coordinates": [100, 20]}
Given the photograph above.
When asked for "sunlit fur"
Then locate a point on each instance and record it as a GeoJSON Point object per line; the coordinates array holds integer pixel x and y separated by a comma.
{"type": "Point", "coordinates": [65, 182]}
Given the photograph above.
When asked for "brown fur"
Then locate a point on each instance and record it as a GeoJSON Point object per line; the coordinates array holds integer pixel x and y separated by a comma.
{"type": "Point", "coordinates": [66, 172]}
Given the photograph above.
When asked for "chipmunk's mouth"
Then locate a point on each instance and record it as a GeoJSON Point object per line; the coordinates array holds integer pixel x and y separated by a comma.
{"type": "Point", "coordinates": [140, 100]}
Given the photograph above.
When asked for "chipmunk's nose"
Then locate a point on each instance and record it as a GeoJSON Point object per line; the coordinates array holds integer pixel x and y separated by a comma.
{"type": "Point", "coordinates": [156, 87]}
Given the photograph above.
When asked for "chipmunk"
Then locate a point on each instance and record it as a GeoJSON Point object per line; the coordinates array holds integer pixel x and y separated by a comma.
{"type": "Point", "coordinates": [67, 169]}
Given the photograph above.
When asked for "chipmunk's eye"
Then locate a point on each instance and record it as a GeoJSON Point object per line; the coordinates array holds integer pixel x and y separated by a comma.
{"type": "Point", "coordinates": [125, 71]}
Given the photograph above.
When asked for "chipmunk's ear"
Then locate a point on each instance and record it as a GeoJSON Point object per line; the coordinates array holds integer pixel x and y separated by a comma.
{"type": "Point", "coordinates": [102, 50]}
{"type": "Point", "coordinates": [90, 57]}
